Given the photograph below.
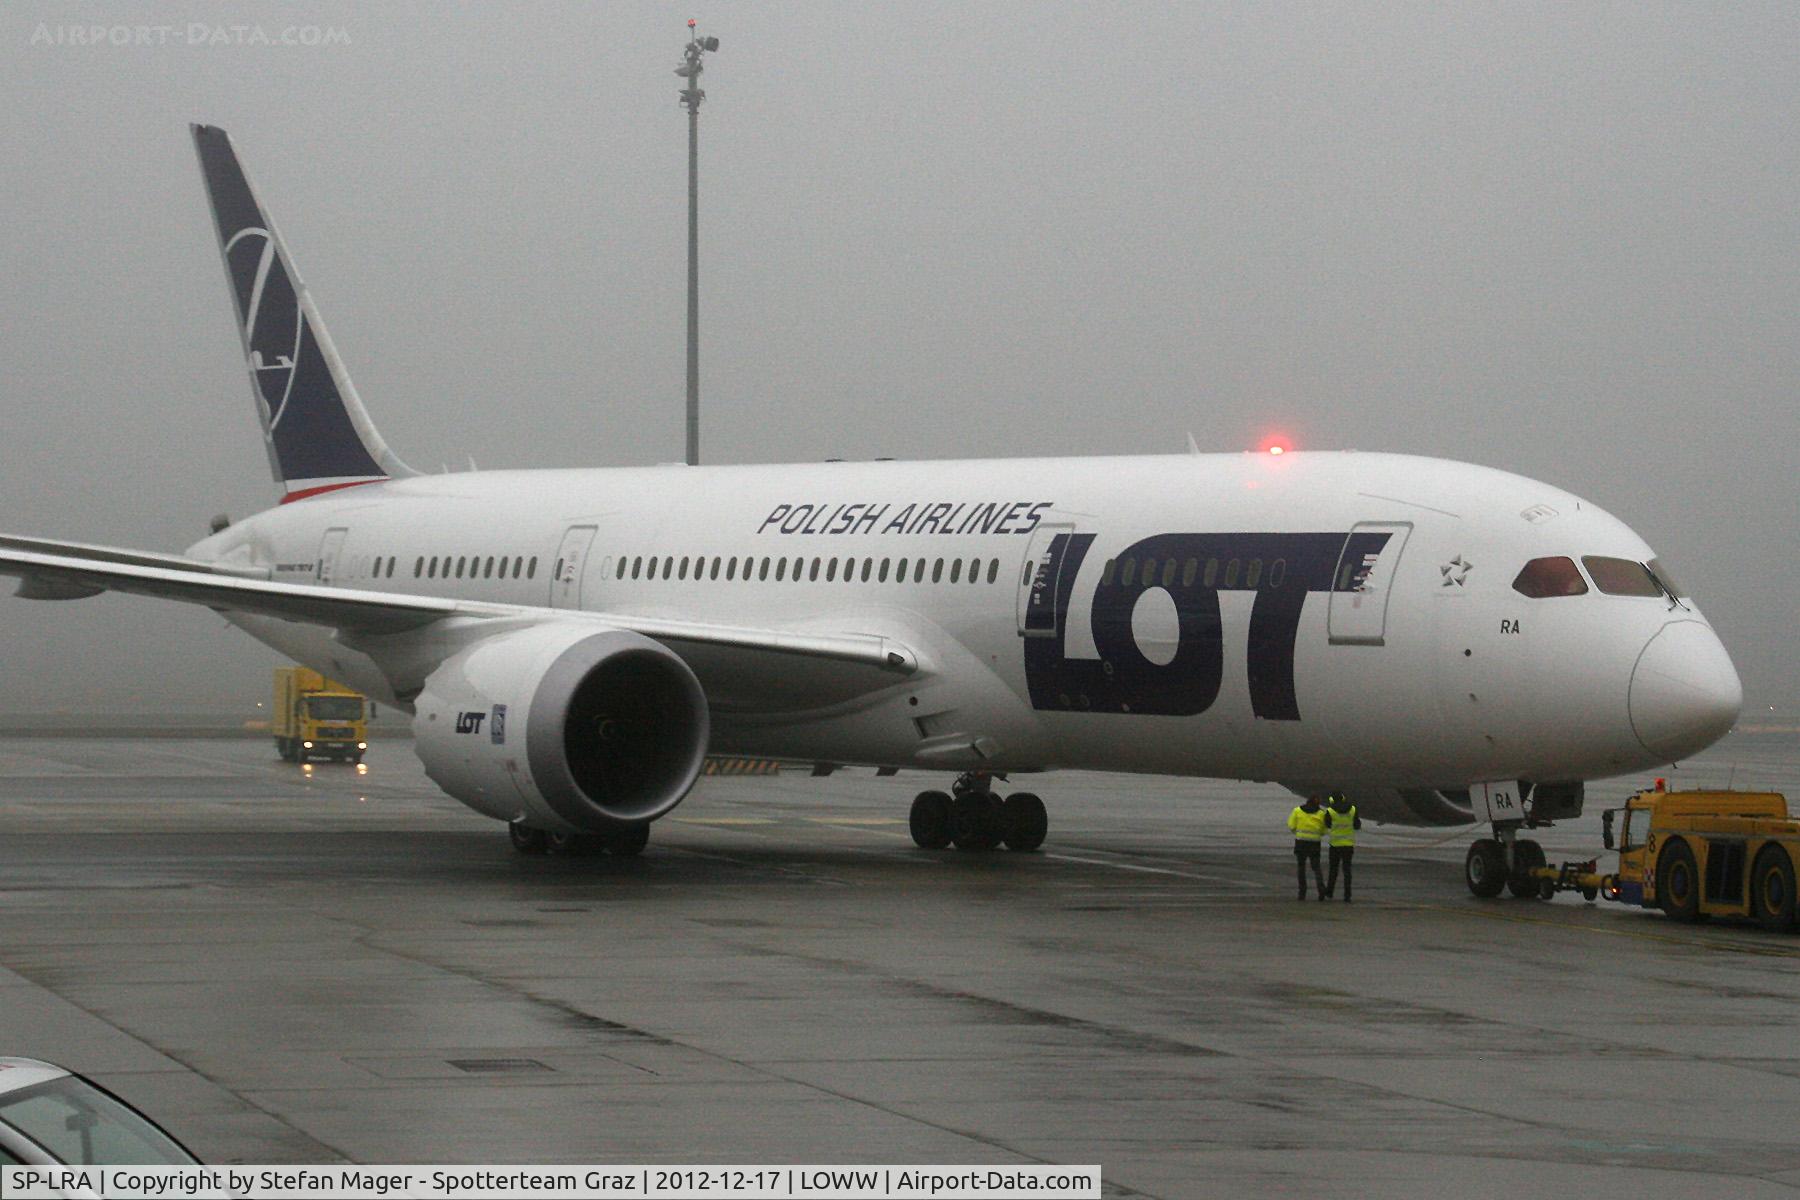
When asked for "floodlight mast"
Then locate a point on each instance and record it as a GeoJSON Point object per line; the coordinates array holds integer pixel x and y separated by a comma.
{"type": "Point", "coordinates": [691, 98]}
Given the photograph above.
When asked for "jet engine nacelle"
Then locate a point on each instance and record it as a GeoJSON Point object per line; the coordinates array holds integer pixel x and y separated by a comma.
{"type": "Point", "coordinates": [564, 727]}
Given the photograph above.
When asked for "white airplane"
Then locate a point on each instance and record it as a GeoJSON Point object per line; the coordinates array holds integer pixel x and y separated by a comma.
{"type": "Point", "coordinates": [1446, 643]}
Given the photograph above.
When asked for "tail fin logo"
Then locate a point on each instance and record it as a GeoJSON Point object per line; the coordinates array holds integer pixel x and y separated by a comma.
{"type": "Point", "coordinates": [273, 320]}
{"type": "Point", "coordinates": [319, 437]}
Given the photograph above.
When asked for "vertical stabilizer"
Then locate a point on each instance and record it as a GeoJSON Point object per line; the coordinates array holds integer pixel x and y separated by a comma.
{"type": "Point", "coordinates": [319, 436]}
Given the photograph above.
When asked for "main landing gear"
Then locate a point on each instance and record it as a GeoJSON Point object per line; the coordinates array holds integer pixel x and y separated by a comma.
{"type": "Point", "coordinates": [627, 841]}
{"type": "Point", "coordinates": [1504, 862]}
{"type": "Point", "coordinates": [972, 817]}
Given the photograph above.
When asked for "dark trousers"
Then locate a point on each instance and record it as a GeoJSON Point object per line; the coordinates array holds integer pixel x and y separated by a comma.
{"type": "Point", "coordinates": [1304, 853]}
{"type": "Point", "coordinates": [1340, 854]}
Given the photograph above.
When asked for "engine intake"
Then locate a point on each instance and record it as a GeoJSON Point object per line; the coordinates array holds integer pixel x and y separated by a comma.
{"type": "Point", "coordinates": [564, 727]}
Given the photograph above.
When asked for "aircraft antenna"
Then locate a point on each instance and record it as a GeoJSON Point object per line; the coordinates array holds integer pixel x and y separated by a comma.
{"type": "Point", "coordinates": [691, 98]}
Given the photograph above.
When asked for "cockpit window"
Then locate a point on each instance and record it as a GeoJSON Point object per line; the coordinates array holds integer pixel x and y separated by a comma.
{"type": "Point", "coordinates": [1549, 577]}
{"type": "Point", "coordinates": [1658, 569]}
{"type": "Point", "coordinates": [1621, 576]}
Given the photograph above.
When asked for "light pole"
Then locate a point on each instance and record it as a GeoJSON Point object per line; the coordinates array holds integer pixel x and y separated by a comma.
{"type": "Point", "coordinates": [691, 97]}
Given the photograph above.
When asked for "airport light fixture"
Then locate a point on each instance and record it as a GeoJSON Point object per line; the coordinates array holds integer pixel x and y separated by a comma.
{"type": "Point", "coordinates": [691, 97]}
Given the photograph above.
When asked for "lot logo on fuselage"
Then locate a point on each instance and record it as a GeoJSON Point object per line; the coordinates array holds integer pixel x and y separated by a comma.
{"type": "Point", "coordinates": [1281, 569]}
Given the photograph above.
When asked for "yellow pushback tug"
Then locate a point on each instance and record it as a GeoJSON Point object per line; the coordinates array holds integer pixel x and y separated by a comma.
{"type": "Point", "coordinates": [1694, 855]}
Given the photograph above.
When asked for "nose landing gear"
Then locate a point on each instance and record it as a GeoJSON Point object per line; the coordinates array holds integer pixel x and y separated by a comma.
{"type": "Point", "coordinates": [1506, 861]}
{"type": "Point", "coordinates": [973, 817]}
{"type": "Point", "coordinates": [1503, 862]}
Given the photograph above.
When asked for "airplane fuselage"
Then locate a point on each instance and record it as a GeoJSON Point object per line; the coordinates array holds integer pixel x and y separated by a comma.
{"type": "Point", "coordinates": [1308, 617]}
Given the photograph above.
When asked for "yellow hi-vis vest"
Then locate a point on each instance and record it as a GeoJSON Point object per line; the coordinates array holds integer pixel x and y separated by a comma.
{"type": "Point", "coordinates": [1307, 826]}
{"type": "Point", "coordinates": [1342, 825]}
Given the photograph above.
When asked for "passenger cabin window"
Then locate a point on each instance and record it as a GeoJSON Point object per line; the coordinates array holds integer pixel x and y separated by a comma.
{"type": "Point", "coordinates": [1545, 577]}
{"type": "Point", "coordinates": [1621, 576]}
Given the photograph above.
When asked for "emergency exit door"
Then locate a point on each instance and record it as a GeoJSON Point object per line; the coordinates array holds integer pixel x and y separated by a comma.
{"type": "Point", "coordinates": [325, 570]}
{"type": "Point", "coordinates": [1039, 579]}
{"type": "Point", "coordinates": [571, 559]}
{"type": "Point", "coordinates": [1364, 579]}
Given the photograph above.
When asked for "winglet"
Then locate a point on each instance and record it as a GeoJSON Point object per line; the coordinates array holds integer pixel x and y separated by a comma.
{"type": "Point", "coordinates": [319, 435]}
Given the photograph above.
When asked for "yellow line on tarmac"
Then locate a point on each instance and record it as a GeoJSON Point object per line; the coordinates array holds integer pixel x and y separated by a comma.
{"type": "Point", "coordinates": [1672, 939]}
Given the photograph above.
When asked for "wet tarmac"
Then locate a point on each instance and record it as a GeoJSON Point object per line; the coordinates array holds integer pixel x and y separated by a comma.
{"type": "Point", "coordinates": [312, 966]}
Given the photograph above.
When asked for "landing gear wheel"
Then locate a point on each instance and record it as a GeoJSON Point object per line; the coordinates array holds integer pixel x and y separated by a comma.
{"type": "Point", "coordinates": [976, 822]}
{"type": "Point", "coordinates": [1485, 868]}
{"type": "Point", "coordinates": [1678, 882]}
{"type": "Point", "coordinates": [1026, 821]}
{"type": "Point", "coordinates": [628, 842]}
{"type": "Point", "coordinates": [930, 820]}
{"type": "Point", "coordinates": [1772, 889]}
{"type": "Point", "coordinates": [527, 840]}
{"type": "Point", "coordinates": [1527, 856]}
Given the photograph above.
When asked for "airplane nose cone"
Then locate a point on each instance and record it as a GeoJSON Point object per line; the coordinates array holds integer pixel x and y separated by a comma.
{"type": "Point", "coordinates": [1684, 691]}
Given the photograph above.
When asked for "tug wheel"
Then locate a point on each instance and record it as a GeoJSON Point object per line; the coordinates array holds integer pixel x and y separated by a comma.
{"type": "Point", "coordinates": [1678, 882]}
{"type": "Point", "coordinates": [1772, 889]}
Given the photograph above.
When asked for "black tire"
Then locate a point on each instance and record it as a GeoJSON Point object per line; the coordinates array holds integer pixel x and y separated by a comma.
{"type": "Point", "coordinates": [930, 820]}
{"type": "Point", "coordinates": [1026, 821]}
{"type": "Point", "coordinates": [975, 822]}
{"type": "Point", "coordinates": [1678, 881]}
{"type": "Point", "coordinates": [1772, 889]}
{"type": "Point", "coordinates": [527, 840]}
{"type": "Point", "coordinates": [282, 748]}
{"type": "Point", "coordinates": [630, 841]}
{"type": "Point", "coordinates": [1527, 856]}
{"type": "Point", "coordinates": [1484, 870]}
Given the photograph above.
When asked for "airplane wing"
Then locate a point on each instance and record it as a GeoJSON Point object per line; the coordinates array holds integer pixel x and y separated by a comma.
{"type": "Point", "coordinates": [69, 570]}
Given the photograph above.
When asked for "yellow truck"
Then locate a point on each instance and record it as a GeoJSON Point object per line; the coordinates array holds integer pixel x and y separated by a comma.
{"type": "Point", "coordinates": [316, 718]}
{"type": "Point", "coordinates": [1704, 854]}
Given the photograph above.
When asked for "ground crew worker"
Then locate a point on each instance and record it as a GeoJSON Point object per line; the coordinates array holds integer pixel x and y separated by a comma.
{"type": "Point", "coordinates": [1308, 823]}
{"type": "Point", "coordinates": [1341, 824]}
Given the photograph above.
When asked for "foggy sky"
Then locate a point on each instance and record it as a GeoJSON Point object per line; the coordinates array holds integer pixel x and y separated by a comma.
{"type": "Point", "coordinates": [1557, 239]}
